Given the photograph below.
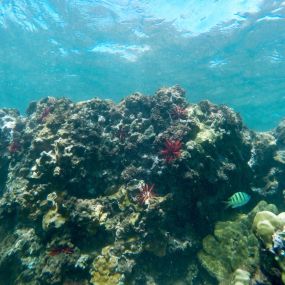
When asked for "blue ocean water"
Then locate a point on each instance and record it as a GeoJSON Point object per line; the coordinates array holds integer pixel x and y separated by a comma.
{"type": "Point", "coordinates": [230, 52]}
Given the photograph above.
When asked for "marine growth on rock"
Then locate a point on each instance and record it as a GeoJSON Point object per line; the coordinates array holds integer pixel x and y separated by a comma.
{"type": "Point", "coordinates": [100, 193]}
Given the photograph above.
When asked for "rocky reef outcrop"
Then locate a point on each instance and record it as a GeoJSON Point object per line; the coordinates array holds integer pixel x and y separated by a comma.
{"type": "Point", "coordinates": [102, 193]}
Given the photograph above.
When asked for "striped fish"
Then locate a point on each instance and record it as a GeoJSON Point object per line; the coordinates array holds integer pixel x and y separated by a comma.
{"type": "Point", "coordinates": [238, 199]}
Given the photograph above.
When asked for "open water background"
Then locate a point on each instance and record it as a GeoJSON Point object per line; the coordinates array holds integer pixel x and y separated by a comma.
{"type": "Point", "coordinates": [230, 52]}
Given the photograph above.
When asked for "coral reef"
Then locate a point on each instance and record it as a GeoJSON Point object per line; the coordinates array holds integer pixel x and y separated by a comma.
{"type": "Point", "coordinates": [233, 247]}
{"type": "Point", "coordinates": [101, 193]}
{"type": "Point", "coordinates": [270, 229]}
{"type": "Point", "coordinates": [241, 277]}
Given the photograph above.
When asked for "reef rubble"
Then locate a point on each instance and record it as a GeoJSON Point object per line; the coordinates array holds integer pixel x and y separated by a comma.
{"type": "Point", "coordinates": [98, 193]}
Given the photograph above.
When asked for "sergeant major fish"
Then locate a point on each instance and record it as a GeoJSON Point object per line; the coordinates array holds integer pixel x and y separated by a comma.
{"type": "Point", "coordinates": [237, 200]}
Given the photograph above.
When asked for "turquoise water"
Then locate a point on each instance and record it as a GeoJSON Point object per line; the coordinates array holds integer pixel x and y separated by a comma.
{"type": "Point", "coordinates": [229, 52]}
{"type": "Point", "coordinates": [152, 190]}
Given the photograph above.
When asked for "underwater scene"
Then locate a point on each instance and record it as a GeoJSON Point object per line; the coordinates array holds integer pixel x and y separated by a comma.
{"type": "Point", "coordinates": [142, 142]}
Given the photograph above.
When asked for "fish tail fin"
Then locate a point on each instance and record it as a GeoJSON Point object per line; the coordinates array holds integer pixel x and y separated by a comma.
{"type": "Point", "coordinates": [227, 204]}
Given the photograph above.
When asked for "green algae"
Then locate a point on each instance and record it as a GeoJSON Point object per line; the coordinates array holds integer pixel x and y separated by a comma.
{"type": "Point", "coordinates": [233, 245]}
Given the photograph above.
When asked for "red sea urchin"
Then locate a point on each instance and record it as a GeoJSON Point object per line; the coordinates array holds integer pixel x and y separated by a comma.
{"type": "Point", "coordinates": [172, 150]}
{"type": "Point", "coordinates": [46, 112]}
{"type": "Point", "coordinates": [14, 147]}
{"type": "Point", "coordinates": [146, 194]}
{"type": "Point", "coordinates": [178, 113]}
{"type": "Point", "coordinates": [61, 249]}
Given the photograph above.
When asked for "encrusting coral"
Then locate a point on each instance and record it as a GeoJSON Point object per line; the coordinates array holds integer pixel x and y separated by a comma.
{"type": "Point", "coordinates": [270, 229]}
{"type": "Point", "coordinates": [232, 247]}
{"type": "Point", "coordinates": [107, 193]}
{"type": "Point", "coordinates": [240, 277]}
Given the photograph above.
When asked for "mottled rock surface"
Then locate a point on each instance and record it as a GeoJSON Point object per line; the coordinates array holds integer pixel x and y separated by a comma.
{"type": "Point", "coordinates": [102, 193]}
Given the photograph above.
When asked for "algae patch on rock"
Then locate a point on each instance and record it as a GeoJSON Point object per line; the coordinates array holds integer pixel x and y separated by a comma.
{"type": "Point", "coordinates": [104, 269]}
{"type": "Point", "coordinates": [232, 246]}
